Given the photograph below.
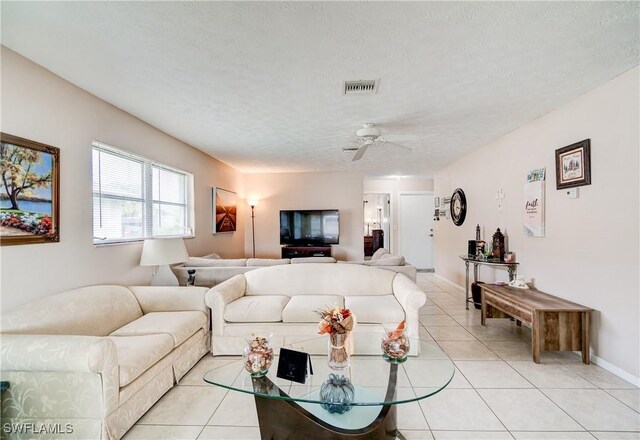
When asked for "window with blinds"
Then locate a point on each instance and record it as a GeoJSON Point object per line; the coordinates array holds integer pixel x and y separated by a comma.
{"type": "Point", "coordinates": [135, 198]}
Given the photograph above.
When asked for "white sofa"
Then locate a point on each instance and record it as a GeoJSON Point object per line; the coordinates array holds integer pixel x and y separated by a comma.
{"type": "Point", "coordinates": [99, 357]}
{"type": "Point", "coordinates": [282, 300]}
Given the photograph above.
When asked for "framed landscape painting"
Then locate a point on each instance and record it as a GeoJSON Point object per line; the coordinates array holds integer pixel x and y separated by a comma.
{"type": "Point", "coordinates": [225, 206]}
{"type": "Point", "coordinates": [29, 191]}
{"type": "Point", "coordinates": [573, 165]}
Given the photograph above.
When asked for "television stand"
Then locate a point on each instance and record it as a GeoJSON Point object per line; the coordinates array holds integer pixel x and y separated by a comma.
{"type": "Point", "coordinates": [305, 251]}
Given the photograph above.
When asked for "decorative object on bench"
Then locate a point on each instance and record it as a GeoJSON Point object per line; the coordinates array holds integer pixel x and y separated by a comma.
{"type": "Point", "coordinates": [458, 207]}
{"type": "Point", "coordinates": [162, 252]}
{"type": "Point", "coordinates": [573, 165]}
{"type": "Point", "coordinates": [258, 356]}
{"type": "Point", "coordinates": [519, 283]}
{"type": "Point", "coordinates": [337, 392]}
{"type": "Point", "coordinates": [338, 323]}
{"type": "Point", "coordinates": [395, 345]}
{"type": "Point", "coordinates": [556, 324]}
{"type": "Point", "coordinates": [29, 218]}
{"type": "Point", "coordinates": [225, 207]}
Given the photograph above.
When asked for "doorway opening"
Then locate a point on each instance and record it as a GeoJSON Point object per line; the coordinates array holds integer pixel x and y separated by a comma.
{"type": "Point", "coordinates": [376, 222]}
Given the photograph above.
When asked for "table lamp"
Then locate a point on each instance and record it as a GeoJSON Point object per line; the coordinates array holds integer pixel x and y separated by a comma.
{"type": "Point", "coordinates": [162, 252]}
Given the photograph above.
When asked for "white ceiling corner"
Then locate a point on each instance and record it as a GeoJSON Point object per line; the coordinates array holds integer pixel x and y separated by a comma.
{"type": "Point", "coordinates": [259, 84]}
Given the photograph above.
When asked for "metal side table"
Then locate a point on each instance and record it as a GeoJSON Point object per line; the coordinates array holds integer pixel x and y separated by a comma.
{"type": "Point", "coordinates": [512, 268]}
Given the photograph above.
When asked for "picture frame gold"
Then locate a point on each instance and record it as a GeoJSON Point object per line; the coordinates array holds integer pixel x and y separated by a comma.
{"type": "Point", "coordinates": [29, 191]}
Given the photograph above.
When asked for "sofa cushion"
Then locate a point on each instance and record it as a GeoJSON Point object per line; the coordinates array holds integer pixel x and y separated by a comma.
{"type": "Point", "coordinates": [266, 308]}
{"type": "Point", "coordinates": [313, 260]}
{"type": "Point", "coordinates": [264, 262]}
{"type": "Point", "coordinates": [136, 354]}
{"type": "Point", "coordinates": [302, 308]}
{"type": "Point", "coordinates": [375, 309]}
{"type": "Point", "coordinates": [212, 255]}
{"type": "Point", "coordinates": [212, 262]}
{"type": "Point", "coordinates": [180, 325]}
{"type": "Point", "coordinates": [379, 253]}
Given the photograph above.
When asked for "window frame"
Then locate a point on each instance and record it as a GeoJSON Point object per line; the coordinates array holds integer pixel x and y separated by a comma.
{"type": "Point", "coordinates": [147, 200]}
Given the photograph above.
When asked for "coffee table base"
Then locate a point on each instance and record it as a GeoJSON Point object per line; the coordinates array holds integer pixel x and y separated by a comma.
{"type": "Point", "coordinates": [284, 419]}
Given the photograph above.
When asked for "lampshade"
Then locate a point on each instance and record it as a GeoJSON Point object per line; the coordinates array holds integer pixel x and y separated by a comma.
{"type": "Point", "coordinates": [161, 251]}
{"type": "Point", "coordinates": [252, 202]}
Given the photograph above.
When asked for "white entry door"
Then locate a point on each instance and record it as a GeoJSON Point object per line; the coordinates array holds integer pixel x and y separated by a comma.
{"type": "Point", "coordinates": [416, 229]}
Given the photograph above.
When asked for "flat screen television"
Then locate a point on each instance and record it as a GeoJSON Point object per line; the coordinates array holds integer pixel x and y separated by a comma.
{"type": "Point", "coordinates": [310, 227]}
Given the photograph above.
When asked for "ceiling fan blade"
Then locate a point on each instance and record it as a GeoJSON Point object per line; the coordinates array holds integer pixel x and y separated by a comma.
{"type": "Point", "coordinates": [384, 141]}
{"type": "Point", "coordinates": [361, 150]}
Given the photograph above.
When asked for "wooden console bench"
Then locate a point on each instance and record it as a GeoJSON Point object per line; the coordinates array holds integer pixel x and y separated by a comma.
{"type": "Point", "coordinates": [556, 324]}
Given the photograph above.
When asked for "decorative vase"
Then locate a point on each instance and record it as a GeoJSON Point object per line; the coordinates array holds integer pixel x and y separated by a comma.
{"type": "Point", "coordinates": [395, 346]}
{"type": "Point", "coordinates": [258, 356]}
{"type": "Point", "coordinates": [338, 357]}
{"type": "Point", "coordinates": [337, 392]}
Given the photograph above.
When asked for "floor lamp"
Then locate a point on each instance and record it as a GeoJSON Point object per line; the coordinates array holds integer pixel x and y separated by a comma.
{"type": "Point", "coordinates": [253, 204]}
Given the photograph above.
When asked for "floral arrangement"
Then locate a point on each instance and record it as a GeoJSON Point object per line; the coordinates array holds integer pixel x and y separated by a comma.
{"type": "Point", "coordinates": [335, 320]}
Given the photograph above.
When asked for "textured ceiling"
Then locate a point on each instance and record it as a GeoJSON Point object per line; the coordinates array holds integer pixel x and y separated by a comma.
{"type": "Point", "coordinates": [258, 84]}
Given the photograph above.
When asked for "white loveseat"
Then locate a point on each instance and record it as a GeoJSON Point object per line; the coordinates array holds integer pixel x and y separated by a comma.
{"type": "Point", "coordinates": [282, 300]}
{"type": "Point", "coordinates": [97, 358]}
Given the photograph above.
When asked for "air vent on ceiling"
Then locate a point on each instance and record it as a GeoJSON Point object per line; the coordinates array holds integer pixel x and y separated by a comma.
{"type": "Point", "coordinates": [362, 87]}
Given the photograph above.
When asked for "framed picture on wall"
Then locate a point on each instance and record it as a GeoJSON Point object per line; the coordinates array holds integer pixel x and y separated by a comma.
{"type": "Point", "coordinates": [225, 207]}
{"type": "Point", "coordinates": [573, 165]}
{"type": "Point", "coordinates": [29, 192]}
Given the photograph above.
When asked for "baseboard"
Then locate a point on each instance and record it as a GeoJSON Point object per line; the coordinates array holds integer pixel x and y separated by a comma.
{"type": "Point", "coordinates": [451, 283]}
{"type": "Point", "coordinates": [622, 374]}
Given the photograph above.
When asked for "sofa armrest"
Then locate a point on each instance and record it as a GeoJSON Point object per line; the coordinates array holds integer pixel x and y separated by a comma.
{"type": "Point", "coordinates": [219, 296]}
{"type": "Point", "coordinates": [37, 364]}
{"type": "Point", "coordinates": [170, 298]}
{"type": "Point", "coordinates": [411, 297]}
{"type": "Point", "coordinates": [83, 354]}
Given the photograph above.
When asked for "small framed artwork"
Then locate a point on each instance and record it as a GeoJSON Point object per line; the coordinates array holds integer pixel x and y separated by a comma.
{"type": "Point", "coordinates": [436, 202]}
{"type": "Point", "coordinates": [225, 207]}
{"type": "Point", "coordinates": [573, 165]}
{"type": "Point", "coordinates": [29, 192]}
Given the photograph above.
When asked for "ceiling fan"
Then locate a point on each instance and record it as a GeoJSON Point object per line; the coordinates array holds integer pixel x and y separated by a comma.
{"type": "Point", "coordinates": [368, 135]}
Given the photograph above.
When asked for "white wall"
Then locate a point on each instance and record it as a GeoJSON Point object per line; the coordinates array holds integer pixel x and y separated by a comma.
{"type": "Point", "coordinates": [281, 191]}
{"type": "Point", "coordinates": [43, 107]}
{"type": "Point", "coordinates": [395, 187]}
{"type": "Point", "coordinates": [590, 252]}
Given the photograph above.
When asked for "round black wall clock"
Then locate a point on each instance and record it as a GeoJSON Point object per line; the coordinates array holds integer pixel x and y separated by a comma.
{"type": "Point", "coordinates": [458, 207]}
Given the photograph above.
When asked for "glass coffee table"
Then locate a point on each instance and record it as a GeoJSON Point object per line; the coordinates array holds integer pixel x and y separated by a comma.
{"type": "Point", "coordinates": [289, 410]}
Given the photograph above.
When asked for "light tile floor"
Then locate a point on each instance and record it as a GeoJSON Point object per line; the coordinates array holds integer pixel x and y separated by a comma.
{"type": "Point", "coordinates": [497, 391]}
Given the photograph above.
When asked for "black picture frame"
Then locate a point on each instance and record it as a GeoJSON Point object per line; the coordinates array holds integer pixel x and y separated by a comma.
{"type": "Point", "coordinates": [292, 365]}
{"type": "Point", "coordinates": [573, 165]}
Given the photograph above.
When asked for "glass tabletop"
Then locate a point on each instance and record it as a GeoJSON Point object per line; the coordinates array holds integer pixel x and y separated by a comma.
{"type": "Point", "coordinates": [489, 261]}
{"type": "Point", "coordinates": [426, 371]}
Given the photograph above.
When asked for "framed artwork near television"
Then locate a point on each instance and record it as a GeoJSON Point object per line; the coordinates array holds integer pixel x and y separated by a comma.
{"type": "Point", "coordinates": [29, 191]}
{"type": "Point", "coordinates": [573, 165]}
{"type": "Point", "coordinates": [225, 208]}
